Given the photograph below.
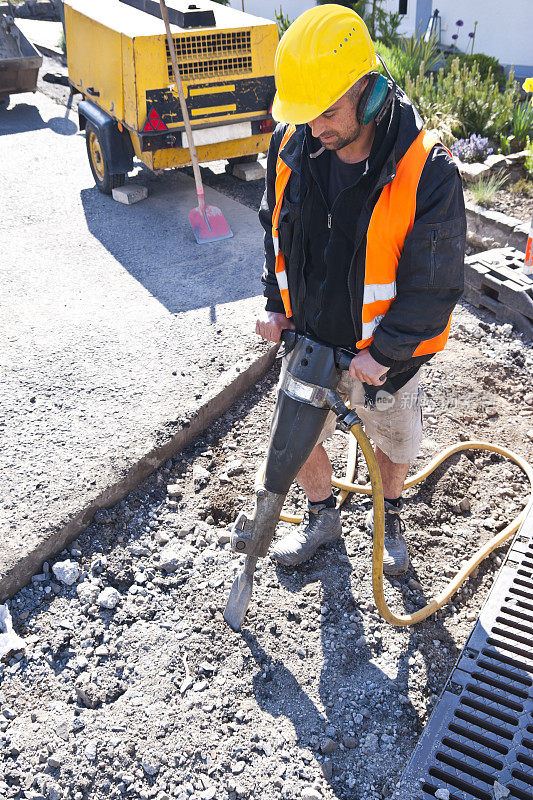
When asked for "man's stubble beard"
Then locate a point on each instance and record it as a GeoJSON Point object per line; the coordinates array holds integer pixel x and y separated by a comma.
{"type": "Point", "coordinates": [340, 143]}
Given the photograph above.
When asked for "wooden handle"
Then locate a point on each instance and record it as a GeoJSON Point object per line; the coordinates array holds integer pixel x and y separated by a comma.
{"type": "Point", "coordinates": [184, 111]}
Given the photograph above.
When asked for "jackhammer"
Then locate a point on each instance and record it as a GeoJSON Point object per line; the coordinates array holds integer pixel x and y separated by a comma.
{"type": "Point", "coordinates": [306, 394]}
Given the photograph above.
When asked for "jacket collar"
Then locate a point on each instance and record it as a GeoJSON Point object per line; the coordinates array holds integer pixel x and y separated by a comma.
{"type": "Point", "coordinates": [291, 154]}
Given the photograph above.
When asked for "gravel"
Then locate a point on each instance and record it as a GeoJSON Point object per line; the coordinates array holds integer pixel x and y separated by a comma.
{"type": "Point", "coordinates": [318, 697]}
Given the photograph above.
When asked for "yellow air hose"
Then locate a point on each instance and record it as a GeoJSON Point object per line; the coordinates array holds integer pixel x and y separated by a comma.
{"type": "Point", "coordinates": [376, 490]}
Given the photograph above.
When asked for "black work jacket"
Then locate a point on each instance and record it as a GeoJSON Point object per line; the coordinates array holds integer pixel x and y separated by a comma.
{"type": "Point", "coordinates": [429, 279]}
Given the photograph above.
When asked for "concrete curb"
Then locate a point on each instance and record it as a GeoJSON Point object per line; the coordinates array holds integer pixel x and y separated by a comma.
{"type": "Point", "coordinates": [216, 405]}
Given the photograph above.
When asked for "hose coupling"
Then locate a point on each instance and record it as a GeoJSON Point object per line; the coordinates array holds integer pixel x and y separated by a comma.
{"type": "Point", "coordinates": [345, 416]}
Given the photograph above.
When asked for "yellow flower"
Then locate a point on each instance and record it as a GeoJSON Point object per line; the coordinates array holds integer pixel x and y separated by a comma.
{"type": "Point", "coordinates": [527, 86]}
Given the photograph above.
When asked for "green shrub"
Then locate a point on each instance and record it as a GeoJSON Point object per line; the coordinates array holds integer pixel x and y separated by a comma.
{"type": "Point", "coordinates": [283, 21]}
{"type": "Point", "coordinates": [392, 58]}
{"type": "Point", "coordinates": [408, 57]}
{"type": "Point", "coordinates": [475, 102]}
{"type": "Point", "coordinates": [506, 144]}
{"type": "Point", "coordinates": [441, 123]}
{"type": "Point", "coordinates": [388, 24]}
{"type": "Point", "coordinates": [484, 189]}
{"type": "Point", "coordinates": [416, 53]}
{"type": "Point", "coordinates": [484, 63]}
{"type": "Point", "coordinates": [522, 124]}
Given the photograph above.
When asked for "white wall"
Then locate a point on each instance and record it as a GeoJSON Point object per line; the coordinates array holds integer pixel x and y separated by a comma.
{"type": "Point", "coordinates": [504, 30]}
{"type": "Point", "coordinates": [268, 8]}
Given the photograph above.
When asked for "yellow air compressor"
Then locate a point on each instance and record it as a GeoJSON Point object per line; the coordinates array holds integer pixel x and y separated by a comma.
{"type": "Point", "coordinates": [119, 60]}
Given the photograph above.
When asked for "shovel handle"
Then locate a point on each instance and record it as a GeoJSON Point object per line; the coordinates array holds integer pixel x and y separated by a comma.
{"type": "Point", "coordinates": [184, 111]}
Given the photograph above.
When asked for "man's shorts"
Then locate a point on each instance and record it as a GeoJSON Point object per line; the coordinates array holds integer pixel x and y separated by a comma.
{"type": "Point", "coordinates": [395, 422]}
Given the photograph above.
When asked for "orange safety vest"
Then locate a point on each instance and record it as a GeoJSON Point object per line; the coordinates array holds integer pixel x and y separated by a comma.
{"type": "Point", "coordinates": [392, 220]}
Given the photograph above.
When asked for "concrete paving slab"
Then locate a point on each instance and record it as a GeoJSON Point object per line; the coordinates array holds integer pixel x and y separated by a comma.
{"type": "Point", "coordinates": [121, 336]}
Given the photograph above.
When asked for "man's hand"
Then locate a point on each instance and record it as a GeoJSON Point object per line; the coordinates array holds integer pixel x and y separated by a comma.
{"type": "Point", "coordinates": [270, 324]}
{"type": "Point", "coordinates": [367, 369]}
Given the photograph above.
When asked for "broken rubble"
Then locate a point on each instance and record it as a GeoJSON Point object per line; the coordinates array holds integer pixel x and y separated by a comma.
{"type": "Point", "coordinates": [201, 477]}
{"type": "Point", "coordinates": [174, 556]}
{"type": "Point", "coordinates": [108, 598]}
{"type": "Point", "coordinates": [10, 642]}
{"type": "Point", "coordinates": [67, 571]}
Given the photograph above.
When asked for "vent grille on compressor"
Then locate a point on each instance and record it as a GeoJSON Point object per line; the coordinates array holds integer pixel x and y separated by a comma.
{"type": "Point", "coordinates": [211, 54]}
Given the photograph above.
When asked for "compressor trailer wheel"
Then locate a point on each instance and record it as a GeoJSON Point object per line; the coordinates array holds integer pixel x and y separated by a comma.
{"type": "Point", "coordinates": [104, 180]}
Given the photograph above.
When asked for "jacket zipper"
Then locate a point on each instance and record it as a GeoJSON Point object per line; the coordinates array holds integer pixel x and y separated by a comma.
{"type": "Point", "coordinates": [330, 216]}
{"type": "Point", "coordinates": [433, 257]}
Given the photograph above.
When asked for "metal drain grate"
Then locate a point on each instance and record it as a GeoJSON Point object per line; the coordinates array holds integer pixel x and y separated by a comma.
{"type": "Point", "coordinates": [478, 743]}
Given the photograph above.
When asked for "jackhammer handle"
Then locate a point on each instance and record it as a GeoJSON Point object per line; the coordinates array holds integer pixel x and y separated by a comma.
{"type": "Point", "coordinates": [288, 338]}
{"type": "Point", "coordinates": [343, 359]}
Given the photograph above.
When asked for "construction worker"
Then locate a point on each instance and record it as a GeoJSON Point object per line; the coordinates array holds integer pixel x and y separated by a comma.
{"type": "Point", "coordinates": [364, 243]}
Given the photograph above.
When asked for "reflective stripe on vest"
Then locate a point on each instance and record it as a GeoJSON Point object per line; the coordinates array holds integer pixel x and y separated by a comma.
{"type": "Point", "coordinates": [392, 220]}
{"type": "Point", "coordinates": [283, 173]}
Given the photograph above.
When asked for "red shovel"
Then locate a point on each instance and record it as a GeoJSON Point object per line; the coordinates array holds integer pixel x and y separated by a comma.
{"type": "Point", "coordinates": [207, 222]}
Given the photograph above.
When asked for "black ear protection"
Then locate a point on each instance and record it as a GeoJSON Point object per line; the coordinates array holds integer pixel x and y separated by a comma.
{"type": "Point", "coordinates": [376, 97]}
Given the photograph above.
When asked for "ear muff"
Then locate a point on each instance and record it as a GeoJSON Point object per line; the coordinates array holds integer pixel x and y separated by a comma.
{"type": "Point", "coordinates": [377, 95]}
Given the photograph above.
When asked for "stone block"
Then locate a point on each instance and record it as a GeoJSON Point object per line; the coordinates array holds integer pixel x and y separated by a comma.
{"type": "Point", "coordinates": [519, 158]}
{"type": "Point", "coordinates": [496, 161]}
{"type": "Point", "coordinates": [471, 172]}
{"type": "Point", "coordinates": [249, 172]}
{"type": "Point", "coordinates": [129, 194]}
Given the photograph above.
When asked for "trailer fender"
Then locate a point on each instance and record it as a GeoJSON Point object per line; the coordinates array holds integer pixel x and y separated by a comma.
{"type": "Point", "coordinates": [117, 145]}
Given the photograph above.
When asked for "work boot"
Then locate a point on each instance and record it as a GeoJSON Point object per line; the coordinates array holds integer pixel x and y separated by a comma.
{"type": "Point", "coordinates": [395, 556]}
{"type": "Point", "coordinates": [323, 526]}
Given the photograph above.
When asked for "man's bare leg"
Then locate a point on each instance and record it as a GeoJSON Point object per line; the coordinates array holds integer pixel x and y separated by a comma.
{"type": "Point", "coordinates": [392, 475]}
{"type": "Point", "coordinates": [395, 555]}
{"type": "Point", "coordinates": [315, 475]}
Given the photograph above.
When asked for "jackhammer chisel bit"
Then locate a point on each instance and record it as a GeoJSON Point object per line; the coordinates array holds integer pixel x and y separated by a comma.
{"type": "Point", "coordinates": [251, 536]}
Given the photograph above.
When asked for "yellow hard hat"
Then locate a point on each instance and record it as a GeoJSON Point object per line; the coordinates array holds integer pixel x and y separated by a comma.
{"type": "Point", "coordinates": [324, 52]}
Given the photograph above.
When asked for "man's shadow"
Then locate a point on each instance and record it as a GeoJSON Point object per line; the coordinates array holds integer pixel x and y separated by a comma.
{"type": "Point", "coordinates": [349, 663]}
